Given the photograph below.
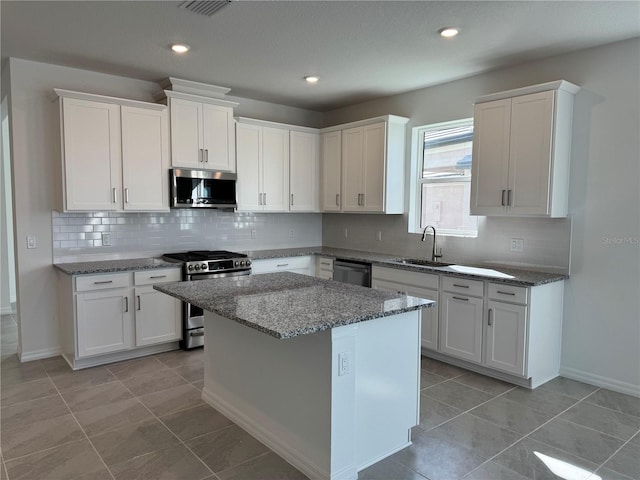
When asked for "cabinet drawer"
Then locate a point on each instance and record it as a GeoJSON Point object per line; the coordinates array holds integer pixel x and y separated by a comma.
{"type": "Point", "coordinates": [398, 275]}
{"type": "Point", "coordinates": [281, 264]}
{"type": "Point", "coordinates": [86, 283]}
{"type": "Point", "coordinates": [463, 286]}
{"type": "Point", "coordinates": [508, 293]}
{"type": "Point", "coordinates": [325, 263]}
{"type": "Point", "coordinates": [148, 277]}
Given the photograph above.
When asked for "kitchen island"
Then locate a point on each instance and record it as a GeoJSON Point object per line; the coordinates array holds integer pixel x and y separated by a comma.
{"type": "Point", "coordinates": [325, 374]}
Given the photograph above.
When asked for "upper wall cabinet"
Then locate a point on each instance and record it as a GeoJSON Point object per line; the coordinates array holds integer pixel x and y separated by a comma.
{"type": "Point", "coordinates": [115, 154]}
{"type": "Point", "coordinates": [202, 132]}
{"type": "Point", "coordinates": [277, 167]}
{"type": "Point", "coordinates": [370, 168]}
{"type": "Point", "coordinates": [522, 150]}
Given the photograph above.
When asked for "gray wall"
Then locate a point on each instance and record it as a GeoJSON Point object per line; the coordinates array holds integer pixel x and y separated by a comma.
{"type": "Point", "coordinates": [601, 331]}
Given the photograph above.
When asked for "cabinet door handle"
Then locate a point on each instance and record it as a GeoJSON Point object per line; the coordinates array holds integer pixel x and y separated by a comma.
{"type": "Point", "coordinates": [103, 282]}
{"type": "Point", "coordinates": [363, 199]}
{"type": "Point", "coordinates": [503, 194]}
{"type": "Point", "coordinates": [265, 198]}
{"type": "Point", "coordinates": [206, 155]}
{"type": "Point", "coordinates": [509, 197]}
{"type": "Point", "coordinates": [292, 199]}
{"type": "Point", "coordinates": [126, 195]}
{"type": "Point", "coordinates": [201, 155]}
{"type": "Point", "coordinates": [460, 286]}
{"type": "Point", "coordinates": [126, 304]}
{"type": "Point", "coordinates": [505, 293]}
{"type": "Point", "coordinates": [115, 195]}
{"type": "Point", "coordinates": [490, 317]}
{"type": "Point", "coordinates": [337, 199]}
{"type": "Point", "coordinates": [139, 303]}
{"type": "Point", "coordinates": [461, 298]}
{"type": "Point", "coordinates": [158, 276]}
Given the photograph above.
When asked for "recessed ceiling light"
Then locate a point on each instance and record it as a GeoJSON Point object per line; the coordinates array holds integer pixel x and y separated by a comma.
{"type": "Point", "coordinates": [448, 32]}
{"type": "Point", "coordinates": [180, 48]}
{"type": "Point", "coordinates": [312, 78]}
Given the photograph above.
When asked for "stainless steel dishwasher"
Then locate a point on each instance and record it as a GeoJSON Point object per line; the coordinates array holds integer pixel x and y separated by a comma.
{"type": "Point", "coordinates": [356, 273]}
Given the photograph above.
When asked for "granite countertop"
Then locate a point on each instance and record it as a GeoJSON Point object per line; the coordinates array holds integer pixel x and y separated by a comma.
{"type": "Point", "coordinates": [493, 272]}
{"type": "Point", "coordinates": [285, 305]}
{"type": "Point", "coordinates": [107, 266]}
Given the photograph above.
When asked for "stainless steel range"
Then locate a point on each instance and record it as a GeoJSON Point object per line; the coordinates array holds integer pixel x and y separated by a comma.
{"type": "Point", "coordinates": [202, 265]}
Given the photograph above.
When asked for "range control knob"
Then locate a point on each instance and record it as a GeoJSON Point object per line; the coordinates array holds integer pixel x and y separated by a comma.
{"type": "Point", "coordinates": [248, 262]}
{"type": "Point", "coordinates": [190, 267]}
{"type": "Point", "coordinates": [242, 263]}
{"type": "Point", "coordinates": [203, 266]}
{"type": "Point", "coordinates": [236, 263]}
{"type": "Point", "coordinates": [197, 267]}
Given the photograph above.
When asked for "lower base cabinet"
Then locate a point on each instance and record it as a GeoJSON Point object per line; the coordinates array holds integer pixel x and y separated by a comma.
{"type": "Point", "coordinates": [116, 314]}
{"type": "Point", "coordinates": [507, 331]}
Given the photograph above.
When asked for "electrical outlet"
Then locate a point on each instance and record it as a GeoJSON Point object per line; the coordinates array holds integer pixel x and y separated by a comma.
{"type": "Point", "coordinates": [254, 234]}
{"type": "Point", "coordinates": [106, 239]}
{"type": "Point", "coordinates": [344, 363]}
{"type": "Point", "coordinates": [292, 233]}
{"type": "Point", "coordinates": [517, 244]}
{"type": "Point", "coordinates": [31, 241]}
{"type": "Point", "coordinates": [379, 236]}
{"type": "Point", "coordinates": [346, 233]}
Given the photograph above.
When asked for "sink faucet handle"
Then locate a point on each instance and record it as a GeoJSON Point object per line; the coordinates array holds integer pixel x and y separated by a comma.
{"type": "Point", "coordinates": [438, 254]}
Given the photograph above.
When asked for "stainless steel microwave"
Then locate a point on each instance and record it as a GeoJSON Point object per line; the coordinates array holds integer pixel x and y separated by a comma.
{"type": "Point", "coordinates": [202, 189]}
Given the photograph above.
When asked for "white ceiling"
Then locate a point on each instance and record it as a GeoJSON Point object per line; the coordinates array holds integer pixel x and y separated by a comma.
{"type": "Point", "coordinates": [262, 49]}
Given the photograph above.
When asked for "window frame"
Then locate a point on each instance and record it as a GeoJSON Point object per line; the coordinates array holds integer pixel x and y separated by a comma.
{"type": "Point", "coordinates": [416, 181]}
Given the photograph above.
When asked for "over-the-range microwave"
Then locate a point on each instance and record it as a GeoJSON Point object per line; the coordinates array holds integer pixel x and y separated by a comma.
{"type": "Point", "coordinates": [192, 188]}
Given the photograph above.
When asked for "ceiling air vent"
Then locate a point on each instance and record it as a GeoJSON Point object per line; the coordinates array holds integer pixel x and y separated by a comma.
{"type": "Point", "coordinates": [205, 7]}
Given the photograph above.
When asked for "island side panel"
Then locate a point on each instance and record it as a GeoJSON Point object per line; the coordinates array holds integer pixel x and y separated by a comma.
{"type": "Point", "coordinates": [277, 390]}
{"type": "Point", "coordinates": [387, 385]}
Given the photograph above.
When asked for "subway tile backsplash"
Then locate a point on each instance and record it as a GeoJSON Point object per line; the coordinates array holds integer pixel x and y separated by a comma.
{"type": "Point", "coordinates": [78, 236]}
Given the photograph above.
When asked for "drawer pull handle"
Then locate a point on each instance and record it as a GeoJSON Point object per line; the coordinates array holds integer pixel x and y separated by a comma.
{"type": "Point", "coordinates": [461, 298]}
{"type": "Point", "coordinates": [282, 265]}
{"type": "Point", "coordinates": [460, 286]}
{"type": "Point", "coordinates": [158, 276]}
{"type": "Point", "coordinates": [505, 293]}
{"type": "Point", "coordinates": [490, 317]}
{"type": "Point", "coordinates": [103, 282]}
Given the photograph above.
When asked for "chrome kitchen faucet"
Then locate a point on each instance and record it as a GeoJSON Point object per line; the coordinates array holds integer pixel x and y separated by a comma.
{"type": "Point", "coordinates": [434, 255]}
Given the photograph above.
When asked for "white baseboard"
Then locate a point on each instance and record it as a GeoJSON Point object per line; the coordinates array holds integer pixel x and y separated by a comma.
{"type": "Point", "coordinates": [39, 354]}
{"type": "Point", "coordinates": [599, 381]}
{"type": "Point", "coordinates": [272, 439]}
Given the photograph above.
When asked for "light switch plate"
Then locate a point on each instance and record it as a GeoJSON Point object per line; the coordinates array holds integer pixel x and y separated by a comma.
{"type": "Point", "coordinates": [106, 239]}
{"type": "Point", "coordinates": [31, 241]}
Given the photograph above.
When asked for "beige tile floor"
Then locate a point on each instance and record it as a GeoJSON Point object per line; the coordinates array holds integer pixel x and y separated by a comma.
{"type": "Point", "coordinates": [144, 419]}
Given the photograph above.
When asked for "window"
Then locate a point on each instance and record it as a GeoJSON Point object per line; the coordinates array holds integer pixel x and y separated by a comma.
{"type": "Point", "coordinates": [443, 191]}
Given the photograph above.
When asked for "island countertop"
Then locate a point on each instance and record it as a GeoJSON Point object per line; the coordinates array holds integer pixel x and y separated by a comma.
{"type": "Point", "coordinates": [285, 305]}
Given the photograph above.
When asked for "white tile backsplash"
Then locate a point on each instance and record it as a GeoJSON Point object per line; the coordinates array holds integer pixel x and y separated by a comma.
{"type": "Point", "coordinates": [78, 236]}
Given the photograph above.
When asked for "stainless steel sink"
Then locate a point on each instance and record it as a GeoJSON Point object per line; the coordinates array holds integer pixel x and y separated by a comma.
{"type": "Point", "coordinates": [421, 262]}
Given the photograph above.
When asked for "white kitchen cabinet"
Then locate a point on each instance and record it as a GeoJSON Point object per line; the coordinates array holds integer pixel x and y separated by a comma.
{"type": "Point", "coordinates": [158, 316]}
{"type": "Point", "coordinates": [116, 316]}
{"type": "Point", "coordinates": [263, 168]}
{"type": "Point", "coordinates": [506, 337]}
{"type": "Point", "coordinates": [202, 132]}
{"type": "Point", "coordinates": [114, 154]}
{"type": "Point", "coordinates": [303, 171]}
{"type": "Point", "coordinates": [324, 268]}
{"type": "Point", "coordinates": [422, 285]}
{"type": "Point", "coordinates": [304, 265]}
{"type": "Point", "coordinates": [461, 326]}
{"type": "Point", "coordinates": [145, 159]}
{"type": "Point", "coordinates": [331, 166]}
{"type": "Point", "coordinates": [521, 151]}
{"type": "Point", "coordinates": [371, 166]}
